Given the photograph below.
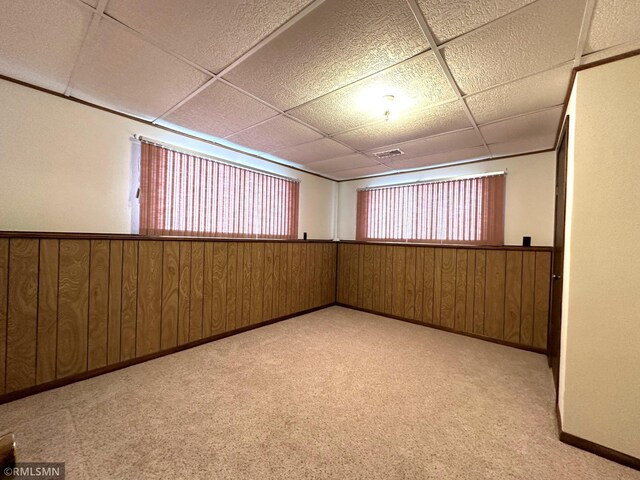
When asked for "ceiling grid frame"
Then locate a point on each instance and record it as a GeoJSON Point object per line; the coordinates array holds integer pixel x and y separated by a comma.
{"type": "Point", "coordinates": [418, 14]}
{"type": "Point", "coordinates": [98, 13]}
{"type": "Point", "coordinates": [426, 30]}
{"type": "Point", "coordinates": [584, 31]}
{"type": "Point", "coordinates": [91, 32]}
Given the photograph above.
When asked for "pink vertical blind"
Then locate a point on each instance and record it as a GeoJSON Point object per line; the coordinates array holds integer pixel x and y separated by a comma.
{"type": "Point", "coordinates": [469, 211]}
{"type": "Point", "coordinates": [183, 194]}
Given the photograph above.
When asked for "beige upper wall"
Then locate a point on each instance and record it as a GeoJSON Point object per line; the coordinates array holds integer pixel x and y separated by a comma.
{"type": "Point", "coordinates": [69, 167]}
{"type": "Point", "coordinates": [600, 374]}
{"type": "Point", "coordinates": [529, 195]}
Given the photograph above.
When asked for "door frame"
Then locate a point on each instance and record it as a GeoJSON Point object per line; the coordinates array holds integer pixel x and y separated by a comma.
{"type": "Point", "coordinates": [563, 140]}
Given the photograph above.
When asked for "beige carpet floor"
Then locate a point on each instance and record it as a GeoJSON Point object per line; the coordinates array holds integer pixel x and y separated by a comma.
{"type": "Point", "coordinates": [332, 394]}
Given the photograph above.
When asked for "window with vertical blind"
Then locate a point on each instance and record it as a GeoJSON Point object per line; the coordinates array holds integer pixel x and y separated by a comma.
{"type": "Point", "coordinates": [183, 194]}
{"type": "Point", "coordinates": [465, 210]}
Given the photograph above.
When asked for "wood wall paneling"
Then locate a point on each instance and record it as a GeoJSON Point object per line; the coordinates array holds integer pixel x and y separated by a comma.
{"type": "Point", "coordinates": [494, 294]}
{"type": "Point", "coordinates": [129, 300]}
{"type": "Point", "coordinates": [257, 283]}
{"type": "Point", "coordinates": [21, 330]}
{"type": "Point", "coordinates": [115, 301]}
{"type": "Point", "coordinates": [410, 283]}
{"type": "Point", "coordinates": [184, 293]}
{"type": "Point", "coordinates": [527, 301]}
{"type": "Point", "coordinates": [4, 285]}
{"type": "Point", "coordinates": [246, 284]}
{"type": "Point", "coordinates": [207, 289]}
{"type": "Point", "coordinates": [470, 295]}
{"type": "Point", "coordinates": [232, 287]}
{"type": "Point", "coordinates": [149, 305]}
{"type": "Point", "coordinates": [461, 290]}
{"type": "Point", "coordinates": [437, 286]}
{"type": "Point", "coordinates": [399, 279]}
{"type": "Point", "coordinates": [502, 294]}
{"type": "Point", "coordinates": [98, 303]}
{"type": "Point", "coordinates": [479, 292]}
{"type": "Point", "coordinates": [267, 300]}
{"type": "Point", "coordinates": [170, 294]}
{"type": "Point", "coordinates": [219, 289]}
{"type": "Point", "coordinates": [448, 288]}
{"type": "Point", "coordinates": [428, 282]}
{"type": "Point", "coordinates": [47, 311]}
{"type": "Point", "coordinates": [197, 289]}
{"type": "Point", "coordinates": [513, 297]}
{"type": "Point", "coordinates": [388, 280]}
{"type": "Point", "coordinates": [541, 306]}
{"type": "Point", "coordinates": [73, 307]}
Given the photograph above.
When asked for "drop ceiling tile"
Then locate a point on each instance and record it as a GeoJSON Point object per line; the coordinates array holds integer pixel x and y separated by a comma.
{"type": "Point", "coordinates": [451, 18]}
{"type": "Point", "coordinates": [360, 172]}
{"type": "Point", "coordinates": [337, 43]}
{"type": "Point", "coordinates": [211, 33]}
{"type": "Point", "coordinates": [416, 83]}
{"type": "Point", "coordinates": [313, 151]}
{"type": "Point", "coordinates": [522, 146]}
{"type": "Point", "coordinates": [412, 125]}
{"type": "Point", "coordinates": [40, 41]}
{"type": "Point", "coordinates": [438, 144]}
{"type": "Point", "coordinates": [614, 22]}
{"type": "Point", "coordinates": [220, 110]}
{"type": "Point", "coordinates": [472, 153]}
{"type": "Point", "coordinates": [534, 125]}
{"type": "Point", "coordinates": [348, 162]}
{"type": "Point", "coordinates": [533, 39]}
{"type": "Point", "coordinates": [536, 92]}
{"type": "Point", "coordinates": [121, 71]}
{"type": "Point", "coordinates": [610, 52]}
{"type": "Point", "coordinates": [278, 133]}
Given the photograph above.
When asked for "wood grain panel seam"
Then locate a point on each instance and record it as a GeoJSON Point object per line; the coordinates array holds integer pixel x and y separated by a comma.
{"type": "Point", "coordinates": [484, 296]}
{"type": "Point", "coordinates": [521, 295]}
{"type": "Point", "coordinates": [35, 373]}
{"type": "Point", "coordinates": [161, 293]}
{"type": "Point", "coordinates": [88, 305]}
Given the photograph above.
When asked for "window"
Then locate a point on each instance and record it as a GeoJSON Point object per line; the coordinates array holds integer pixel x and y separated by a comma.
{"type": "Point", "coordinates": [183, 194]}
{"type": "Point", "coordinates": [469, 210]}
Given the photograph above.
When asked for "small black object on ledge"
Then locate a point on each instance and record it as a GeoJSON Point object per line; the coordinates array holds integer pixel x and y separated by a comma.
{"type": "Point", "coordinates": [526, 241]}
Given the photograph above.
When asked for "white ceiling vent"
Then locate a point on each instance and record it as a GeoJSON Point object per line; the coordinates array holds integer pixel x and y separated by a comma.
{"type": "Point", "coordinates": [389, 153]}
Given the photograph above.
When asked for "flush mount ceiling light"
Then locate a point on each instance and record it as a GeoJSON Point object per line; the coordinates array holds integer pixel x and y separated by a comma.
{"type": "Point", "coordinates": [387, 104]}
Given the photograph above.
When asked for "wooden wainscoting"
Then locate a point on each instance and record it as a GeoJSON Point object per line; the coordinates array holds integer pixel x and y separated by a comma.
{"type": "Point", "coordinates": [76, 304]}
{"type": "Point", "coordinates": [500, 294]}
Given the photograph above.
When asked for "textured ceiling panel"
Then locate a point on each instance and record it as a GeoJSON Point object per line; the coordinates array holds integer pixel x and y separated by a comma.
{"type": "Point", "coordinates": [275, 134]}
{"type": "Point", "coordinates": [122, 71]}
{"type": "Point", "coordinates": [437, 144]}
{"type": "Point", "coordinates": [610, 52]}
{"type": "Point", "coordinates": [412, 125]}
{"type": "Point", "coordinates": [416, 83]}
{"type": "Point", "coordinates": [451, 18]}
{"type": "Point", "coordinates": [614, 22]}
{"type": "Point", "coordinates": [472, 153]}
{"type": "Point", "coordinates": [348, 162]}
{"type": "Point", "coordinates": [211, 33]}
{"type": "Point", "coordinates": [533, 39]}
{"type": "Point", "coordinates": [360, 172]}
{"type": "Point", "coordinates": [220, 110]}
{"type": "Point", "coordinates": [539, 91]}
{"type": "Point", "coordinates": [313, 151]}
{"type": "Point", "coordinates": [336, 44]}
{"type": "Point", "coordinates": [532, 144]}
{"type": "Point", "coordinates": [40, 41]}
{"type": "Point", "coordinates": [535, 125]}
